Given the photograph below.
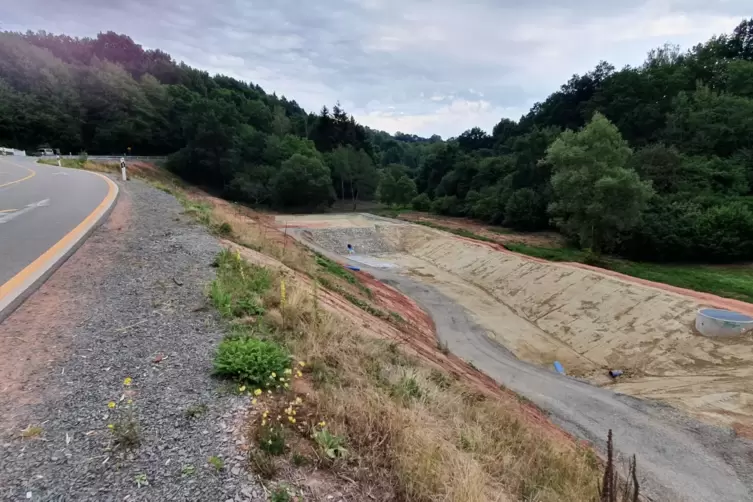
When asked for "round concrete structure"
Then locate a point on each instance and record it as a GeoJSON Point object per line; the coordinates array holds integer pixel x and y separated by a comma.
{"type": "Point", "coordinates": [718, 322]}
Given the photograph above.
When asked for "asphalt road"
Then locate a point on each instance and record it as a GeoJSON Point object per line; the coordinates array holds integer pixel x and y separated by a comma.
{"type": "Point", "coordinates": [679, 458]}
{"type": "Point", "coordinates": [45, 211]}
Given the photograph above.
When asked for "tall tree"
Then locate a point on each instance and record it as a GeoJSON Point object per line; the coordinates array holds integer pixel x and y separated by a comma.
{"type": "Point", "coordinates": [595, 196]}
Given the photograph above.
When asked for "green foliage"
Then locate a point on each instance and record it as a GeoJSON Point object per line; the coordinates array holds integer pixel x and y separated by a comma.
{"type": "Point", "coordinates": [250, 360]}
{"type": "Point", "coordinates": [595, 196]}
{"type": "Point", "coordinates": [216, 462]}
{"type": "Point", "coordinates": [271, 439]}
{"type": "Point", "coordinates": [237, 289]}
{"type": "Point", "coordinates": [396, 187]}
{"type": "Point", "coordinates": [332, 445]}
{"type": "Point", "coordinates": [280, 495]}
{"type": "Point", "coordinates": [302, 181]}
{"type": "Point", "coordinates": [421, 202]}
{"type": "Point", "coordinates": [688, 116]}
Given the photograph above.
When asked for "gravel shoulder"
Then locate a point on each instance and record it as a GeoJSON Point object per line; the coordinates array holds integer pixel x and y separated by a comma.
{"type": "Point", "coordinates": [129, 303]}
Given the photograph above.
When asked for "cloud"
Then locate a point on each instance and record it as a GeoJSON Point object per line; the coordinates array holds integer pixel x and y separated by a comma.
{"type": "Point", "coordinates": [419, 66]}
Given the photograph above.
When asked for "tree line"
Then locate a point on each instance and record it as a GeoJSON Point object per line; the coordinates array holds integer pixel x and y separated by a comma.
{"type": "Point", "coordinates": [107, 95]}
{"type": "Point", "coordinates": [651, 162]}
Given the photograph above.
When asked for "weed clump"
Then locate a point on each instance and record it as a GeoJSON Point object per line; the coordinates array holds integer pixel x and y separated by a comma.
{"type": "Point", "coordinates": [251, 361]}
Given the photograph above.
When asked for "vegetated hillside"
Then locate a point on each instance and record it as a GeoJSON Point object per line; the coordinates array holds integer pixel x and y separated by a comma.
{"type": "Point", "coordinates": [108, 94]}
{"type": "Point", "coordinates": [684, 122]}
{"type": "Point", "coordinates": [663, 172]}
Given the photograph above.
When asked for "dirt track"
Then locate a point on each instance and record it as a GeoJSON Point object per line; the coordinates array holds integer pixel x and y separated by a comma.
{"type": "Point", "coordinates": [680, 458]}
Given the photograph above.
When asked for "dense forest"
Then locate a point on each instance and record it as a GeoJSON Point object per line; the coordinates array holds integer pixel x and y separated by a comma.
{"type": "Point", "coordinates": [651, 162]}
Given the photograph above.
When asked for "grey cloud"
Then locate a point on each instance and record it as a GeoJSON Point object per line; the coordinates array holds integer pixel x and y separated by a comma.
{"type": "Point", "coordinates": [389, 58]}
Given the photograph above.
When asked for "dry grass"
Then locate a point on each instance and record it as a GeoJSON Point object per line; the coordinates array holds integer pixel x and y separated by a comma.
{"type": "Point", "coordinates": [438, 439]}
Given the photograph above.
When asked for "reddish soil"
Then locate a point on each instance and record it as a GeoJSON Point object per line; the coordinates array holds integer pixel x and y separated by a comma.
{"type": "Point", "coordinates": [498, 234]}
{"type": "Point", "coordinates": [38, 334]}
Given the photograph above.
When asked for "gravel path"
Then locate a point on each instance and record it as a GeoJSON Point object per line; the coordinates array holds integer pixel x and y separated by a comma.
{"type": "Point", "coordinates": [149, 303]}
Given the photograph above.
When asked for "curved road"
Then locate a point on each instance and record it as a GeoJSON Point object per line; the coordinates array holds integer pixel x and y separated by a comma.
{"type": "Point", "coordinates": [45, 212]}
{"type": "Point", "coordinates": [679, 458]}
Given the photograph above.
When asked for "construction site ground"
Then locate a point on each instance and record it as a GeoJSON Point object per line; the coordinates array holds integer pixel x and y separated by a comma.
{"type": "Point", "coordinates": [512, 316]}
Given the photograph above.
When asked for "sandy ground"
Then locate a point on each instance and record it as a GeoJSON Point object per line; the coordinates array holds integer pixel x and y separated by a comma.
{"type": "Point", "coordinates": [502, 311]}
{"type": "Point", "coordinates": [589, 321]}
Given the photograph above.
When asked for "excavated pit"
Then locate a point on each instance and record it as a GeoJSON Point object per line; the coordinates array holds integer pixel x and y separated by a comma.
{"type": "Point", "coordinates": [544, 312]}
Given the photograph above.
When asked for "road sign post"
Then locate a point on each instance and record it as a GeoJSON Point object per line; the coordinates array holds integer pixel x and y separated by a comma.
{"type": "Point", "coordinates": [123, 168]}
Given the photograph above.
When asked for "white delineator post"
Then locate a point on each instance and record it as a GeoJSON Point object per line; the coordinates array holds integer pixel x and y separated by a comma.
{"type": "Point", "coordinates": [123, 168]}
{"type": "Point", "coordinates": [59, 164]}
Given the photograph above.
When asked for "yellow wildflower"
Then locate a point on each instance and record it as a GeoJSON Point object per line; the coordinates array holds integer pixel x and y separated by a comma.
{"type": "Point", "coordinates": [322, 423]}
{"type": "Point", "coordinates": [263, 423]}
{"type": "Point", "coordinates": [242, 388]}
{"type": "Point", "coordinates": [110, 426]}
{"type": "Point", "coordinates": [301, 364]}
{"type": "Point", "coordinates": [298, 400]}
{"type": "Point", "coordinates": [253, 401]}
{"type": "Point", "coordinates": [130, 401]}
{"type": "Point", "coordinates": [127, 381]}
{"type": "Point", "coordinates": [273, 375]}
{"type": "Point", "coordinates": [111, 404]}
{"type": "Point", "coordinates": [286, 385]}
{"type": "Point", "coordinates": [288, 371]}
{"type": "Point", "coordinates": [282, 379]}
{"type": "Point", "coordinates": [298, 374]}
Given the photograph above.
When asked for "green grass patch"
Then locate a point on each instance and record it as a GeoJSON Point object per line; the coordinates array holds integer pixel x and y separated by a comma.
{"type": "Point", "coordinates": [457, 231]}
{"type": "Point", "coordinates": [546, 253]}
{"type": "Point", "coordinates": [728, 281]}
{"type": "Point", "coordinates": [237, 289]}
{"type": "Point", "coordinates": [731, 281]}
{"type": "Point", "coordinates": [391, 212]}
{"type": "Point", "coordinates": [338, 270]}
{"type": "Point", "coordinates": [70, 163]}
{"type": "Point", "coordinates": [251, 361]}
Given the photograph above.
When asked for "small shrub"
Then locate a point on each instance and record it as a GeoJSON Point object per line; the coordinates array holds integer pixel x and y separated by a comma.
{"type": "Point", "coordinates": [216, 462]}
{"type": "Point", "coordinates": [443, 347]}
{"type": "Point", "coordinates": [262, 463]}
{"type": "Point", "coordinates": [250, 360]}
{"type": "Point", "coordinates": [225, 229]}
{"type": "Point", "coordinates": [125, 429]}
{"type": "Point", "coordinates": [188, 470]}
{"type": "Point", "coordinates": [271, 439]}
{"type": "Point", "coordinates": [280, 495]}
{"type": "Point", "coordinates": [440, 379]}
{"type": "Point", "coordinates": [32, 431]}
{"type": "Point", "coordinates": [141, 480]}
{"type": "Point", "coordinates": [407, 389]}
{"type": "Point", "coordinates": [300, 460]}
{"type": "Point", "coordinates": [196, 410]}
{"type": "Point", "coordinates": [332, 446]}
{"type": "Point", "coordinates": [421, 202]}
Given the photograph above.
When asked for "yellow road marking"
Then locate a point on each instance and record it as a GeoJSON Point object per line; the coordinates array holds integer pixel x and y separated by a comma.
{"type": "Point", "coordinates": [33, 173]}
{"type": "Point", "coordinates": [67, 239]}
{"type": "Point", "coordinates": [6, 210]}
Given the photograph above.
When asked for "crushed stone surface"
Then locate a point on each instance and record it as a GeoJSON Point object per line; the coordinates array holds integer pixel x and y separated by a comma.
{"type": "Point", "coordinates": [148, 320]}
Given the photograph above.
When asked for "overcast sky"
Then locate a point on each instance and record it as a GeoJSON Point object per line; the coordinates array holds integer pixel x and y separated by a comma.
{"type": "Point", "coordinates": [417, 66]}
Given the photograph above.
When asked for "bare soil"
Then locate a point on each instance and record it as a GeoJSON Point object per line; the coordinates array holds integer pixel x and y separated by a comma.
{"type": "Point", "coordinates": [37, 335]}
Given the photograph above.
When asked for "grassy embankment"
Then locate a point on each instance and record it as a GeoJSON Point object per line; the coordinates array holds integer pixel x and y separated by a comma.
{"type": "Point", "coordinates": [356, 413]}
{"type": "Point", "coordinates": [729, 281]}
